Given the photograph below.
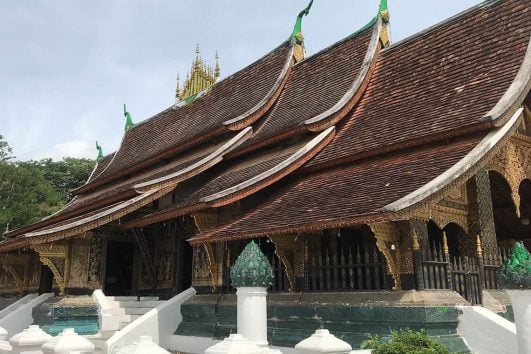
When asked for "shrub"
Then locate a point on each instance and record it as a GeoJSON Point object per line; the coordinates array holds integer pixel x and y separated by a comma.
{"type": "Point", "coordinates": [516, 272]}
{"type": "Point", "coordinates": [405, 342]}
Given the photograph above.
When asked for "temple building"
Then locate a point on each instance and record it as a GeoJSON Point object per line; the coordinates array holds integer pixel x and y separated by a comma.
{"type": "Point", "coordinates": [369, 169]}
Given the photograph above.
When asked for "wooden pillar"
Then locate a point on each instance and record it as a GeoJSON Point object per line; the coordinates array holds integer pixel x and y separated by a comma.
{"type": "Point", "coordinates": [214, 252]}
{"type": "Point", "coordinates": [386, 235]}
{"type": "Point", "coordinates": [481, 215]}
{"type": "Point", "coordinates": [285, 250]}
{"type": "Point", "coordinates": [446, 252]}
{"type": "Point", "coordinates": [417, 260]}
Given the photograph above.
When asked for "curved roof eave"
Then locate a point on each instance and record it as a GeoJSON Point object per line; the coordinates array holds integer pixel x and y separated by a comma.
{"type": "Point", "coordinates": [354, 93]}
{"type": "Point", "coordinates": [200, 166]}
{"type": "Point", "coordinates": [454, 174]}
{"type": "Point", "coordinates": [174, 178]}
{"type": "Point", "coordinates": [514, 95]}
{"type": "Point", "coordinates": [249, 186]}
{"type": "Point", "coordinates": [238, 123]}
{"type": "Point", "coordinates": [82, 225]}
{"type": "Point", "coordinates": [249, 117]}
{"type": "Point", "coordinates": [306, 152]}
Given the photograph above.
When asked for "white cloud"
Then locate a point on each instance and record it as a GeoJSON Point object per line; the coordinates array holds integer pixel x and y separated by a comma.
{"type": "Point", "coordinates": [72, 148]}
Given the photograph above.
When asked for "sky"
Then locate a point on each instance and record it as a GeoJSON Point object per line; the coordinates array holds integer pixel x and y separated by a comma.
{"type": "Point", "coordinates": [68, 66]}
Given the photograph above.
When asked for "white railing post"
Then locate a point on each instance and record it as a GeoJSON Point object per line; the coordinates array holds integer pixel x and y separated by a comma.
{"type": "Point", "coordinates": [252, 314]}
{"type": "Point", "coordinates": [323, 342]}
{"type": "Point", "coordinates": [68, 342]}
{"type": "Point", "coordinates": [144, 345]}
{"type": "Point", "coordinates": [29, 341]}
{"type": "Point", "coordinates": [106, 320]}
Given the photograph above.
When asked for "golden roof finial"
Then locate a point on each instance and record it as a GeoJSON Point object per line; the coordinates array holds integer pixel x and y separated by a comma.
{"type": "Point", "coordinates": [200, 77]}
{"type": "Point", "coordinates": [178, 90]}
{"type": "Point", "coordinates": [217, 71]}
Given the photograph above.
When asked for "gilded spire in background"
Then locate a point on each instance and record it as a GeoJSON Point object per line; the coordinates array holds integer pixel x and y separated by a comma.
{"type": "Point", "coordinates": [200, 77]}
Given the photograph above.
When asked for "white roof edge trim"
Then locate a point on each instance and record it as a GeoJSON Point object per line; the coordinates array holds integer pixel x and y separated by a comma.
{"type": "Point", "coordinates": [454, 172]}
{"type": "Point", "coordinates": [294, 157]}
{"type": "Point", "coordinates": [369, 56]}
{"type": "Point", "coordinates": [520, 83]}
{"type": "Point", "coordinates": [234, 142]}
{"type": "Point", "coordinates": [94, 217]}
{"type": "Point", "coordinates": [270, 94]}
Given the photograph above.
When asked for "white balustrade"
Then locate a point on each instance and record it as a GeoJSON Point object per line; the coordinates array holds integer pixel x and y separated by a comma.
{"type": "Point", "coordinates": [29, 341]}
{"type": "Point", "coordinates": [322, 341]}
{"type": "Point", "coordinates": [68, 342]}
{"type": "Point", "coordinates": [144, 345]}
{"type": "Point", "coordinates": [235, 344]}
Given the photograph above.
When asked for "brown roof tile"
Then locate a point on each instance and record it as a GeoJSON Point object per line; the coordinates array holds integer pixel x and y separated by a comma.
{"type": "Point", "coordinates": [344, 193]}
{"type": "Point", "coordinates": [100, 167]}
{"type": "Point", "coordinates": [218, 186]}
{"type": "Point", "coordinates": [439, 82]}
{"type": "Point", "coordinates": [315, 85]}
{"type": "Point", "coordinates": [226, 100]}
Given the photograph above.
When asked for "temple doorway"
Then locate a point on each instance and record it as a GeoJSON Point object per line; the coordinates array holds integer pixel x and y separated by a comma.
{"type": "Point", "coordinates": [511, 225]}
{"type": "Point", "coordinates": [185, 259]}
{"type": "Point", "coordinates": [119, 268]}
{"type": "Point", "coordinates": [46, 280]}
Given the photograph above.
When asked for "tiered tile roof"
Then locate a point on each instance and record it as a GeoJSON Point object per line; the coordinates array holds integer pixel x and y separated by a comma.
{"type": "Point", "coordinates": [353, 134]}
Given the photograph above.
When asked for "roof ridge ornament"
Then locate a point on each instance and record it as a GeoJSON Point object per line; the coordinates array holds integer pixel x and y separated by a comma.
{"type": "Point", "coordinates": [128, 119]}
{"type": "Point", "coordinates": [297, 36]}
{"type": "Point", "coordinates": [100, 152]}
{"type": "Point", "coordinates": [385, 32]}
{"type": "Point", "coordinates": [384, 11]}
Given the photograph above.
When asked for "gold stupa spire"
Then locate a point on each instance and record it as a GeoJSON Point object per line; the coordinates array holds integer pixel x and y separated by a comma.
{"type": "Point", "coordinates": [200, 77]}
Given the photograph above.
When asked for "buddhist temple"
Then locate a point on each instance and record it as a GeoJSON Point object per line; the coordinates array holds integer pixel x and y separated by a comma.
{"type": "Point", "coordinates": [379, 172]}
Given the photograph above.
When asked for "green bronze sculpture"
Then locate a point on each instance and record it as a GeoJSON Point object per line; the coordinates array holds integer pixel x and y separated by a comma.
{"type": "Point", "coordinates": [251, 269]}
{"type": "Point", "coordinates": [128, 120]}
{"type": "Point", "coordinates": [516, 272]}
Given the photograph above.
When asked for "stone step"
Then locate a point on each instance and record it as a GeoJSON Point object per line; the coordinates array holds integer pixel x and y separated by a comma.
{"type": "Point", "coordinates": [131, 310]}
{"type": "Point", "coordinates": [132, 298]}
{"type": "Point", "coordinates": [96, 339]}
{"type": "Point", "coordinates": [127, 318]}
{"type": "Point", "coordinates": [130, 304]}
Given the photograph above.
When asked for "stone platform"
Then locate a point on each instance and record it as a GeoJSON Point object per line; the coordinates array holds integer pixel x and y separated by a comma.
{"type": "Point", "coordinates": [349, 316]}
{"type": "Point", "coordinates": [58, 313]}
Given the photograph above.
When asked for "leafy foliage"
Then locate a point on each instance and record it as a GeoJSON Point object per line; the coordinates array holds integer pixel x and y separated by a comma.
{"type": "Point", "coordinates": [516, 272]}
{"type": "Point", "coordinates": [405, 342]}
{"type": "Point", "coordinates": [32, 190]}
{"type": "Point", "coordinates": [5, 151]}
{"type": "Point", "coordinates": [25, 195]}
{"type": "Point", "coordinates": [65, 175]}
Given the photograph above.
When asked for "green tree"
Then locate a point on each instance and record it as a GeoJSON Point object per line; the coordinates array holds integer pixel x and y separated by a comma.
{"type": "Point", "coordinates": [25, 195]}
{"type": "Point", "coordinates": [5, 151]}
{"type": "Point", "coordinates": [32, 190]}
{"type": "Point", "coordinates": [67, 174]}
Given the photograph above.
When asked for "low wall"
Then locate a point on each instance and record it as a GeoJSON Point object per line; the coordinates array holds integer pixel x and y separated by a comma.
{"type": "Point", "coordinates": [486, 332]}
{"type": "Point", "coordinates": [159, 323]}
{"type": "Point", "coordinates": [58, 313]}
{"type": "Point", "coordinates": [349, 316]}
{"type": "Point", "coordinates": [21, 317]}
